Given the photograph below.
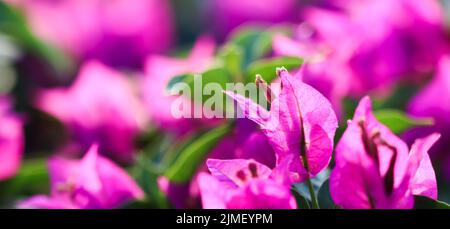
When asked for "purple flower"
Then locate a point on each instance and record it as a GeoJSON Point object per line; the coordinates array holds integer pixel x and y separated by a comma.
{"type": "Point", "coordinates": [159, 70]}
{"type": "Point", "coordinates": [300, 125]}
{"type": "Point", "coordinates": [120, 32]}
{"type": "Point", "coordinates": [228, 14]}
{"type": "Point", "coordinates": [325, 71]}
{"type": "Point", "coordinates": [375, 45]}
{"type": "Point", "coordinates": [367, 51]}
{"type": "Point", "coordinates": [245, 141]}
{"type": "Point", "coordinates": [375, 169]}
{"type": "Point", "coordinates": [243, 184]}
{"type": "Point", "coordinates": [11, 140]}
{"type": "Point", "coordinates": [90, 183]}
{"type": "Point", "coordinates": [101, 106]}
{"type": "Point", "coordinates": [419, 25]}
{"type": "Point", "coordinates": [434, 101]}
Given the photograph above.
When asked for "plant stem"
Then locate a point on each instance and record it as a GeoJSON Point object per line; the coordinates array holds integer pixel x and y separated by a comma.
{"type": "Point", "coordinates": [314, 202]}
{"type": "Point", "coordinates": [304, 157]}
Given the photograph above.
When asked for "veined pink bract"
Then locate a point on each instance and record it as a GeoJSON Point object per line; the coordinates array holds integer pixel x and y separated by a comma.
{"type": "Point", "coordinates": [375, 169]}
{"type": "Point", "coordinates": [245, 141]}
{"type": "Point", "coordinates": [243, 184]}
{"type": "Point", "coordinates": [90, 183]}
{"type": "Point", "coordinates": [300, 125]}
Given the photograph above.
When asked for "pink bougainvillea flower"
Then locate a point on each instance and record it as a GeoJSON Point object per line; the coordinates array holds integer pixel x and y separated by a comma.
{"type": "Point", "coordinates": [367, 56]}
{"type": "Point", "coordinates": [300, 123]}
{"type": "Point", "coordinates": [93, 182]}
{"type": "Point", "coordinates": [245, 141]}
{"type": "Point", "coordinates": [375, 169]}
{"type": "Point", "coordinates": [243, 184]}
{"type": "Point", "coordinates": [420, 26]}
{"type": "Point", "coordinates": [324, 70]}
{"type": "Point", "coordinates": [120, 32]}
{"type": "Point", "coordinates": [228, 14]}
{"type": "Point", "coordinates": [378, 42]}
{"type": "Point", "coordinates": [11, 140]}
{"type": "Point", "coordinates": [434, 101]}
{"type": "Point", "coordinates": [101, 106]}
{"type": "Point", "coordinates": [159, 70]}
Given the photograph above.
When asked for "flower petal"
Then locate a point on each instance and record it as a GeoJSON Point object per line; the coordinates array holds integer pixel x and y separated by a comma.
{"type": "Point", "coordinates": [237, 171]}
{"type": "Point", "coordinates": [421, 170]}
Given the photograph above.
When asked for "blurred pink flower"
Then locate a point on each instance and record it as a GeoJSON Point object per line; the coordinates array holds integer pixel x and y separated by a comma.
{"type": "Point", "coordinates": [159, 70]}
{"type": "Point", "coordinates": [374, 168]}
{"type": "Point", "coordinates": [419, 25]}
{"type": "Point", "coordinates": [90, 183]}
{"type": "Point", "coordinates": [245, 141]}
{"type": "Point", "coordinates": [300, 122]}
{"type": "Point", "coordinates": [434, 101]}
{"type": "Point", "coordinates": [323, 70]}
{"type": "Point", "coordinates": [229, 14]}
{"type": "Point", "coordinates": [100, 106]}
{"type": "Point", "coordinates": [11, 140]}
{"type": "Point", "coordinates": [243, 184]}
{"type": "Point", "coordinates": [119, 32]}
{"type": "Point", "coordinates": [369, 44]}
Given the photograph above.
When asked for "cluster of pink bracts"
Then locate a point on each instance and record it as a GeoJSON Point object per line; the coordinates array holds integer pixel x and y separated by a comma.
{"type": "Point", "coordinates": [357, 48]}
{"type": "Point", "coordinates": [374, 168]}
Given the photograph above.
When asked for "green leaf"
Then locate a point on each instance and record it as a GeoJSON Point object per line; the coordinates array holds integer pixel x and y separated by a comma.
{"type": "Point", "coordinates": [317, 182]}
{"type": "Point", "coordinates": [324, 196]}
{"type": "Point", "coordinates": [233, 56]}
{"type": "Point", "coordinates": [14, 24]}
{"type": "Point", "coordinates": [31, 178]}
{"type": "Point", "coordinates": [196, 83]}
{"type": "Point", "coordinates": [398, 99]}
{"type": "Point", "coordinates": [175, 80]}
{"type": "Point", "coordinates": [422, 202]}
{"type": "Point", "coordinates": [255, 42]}
{"type": "Point", "coordinates": [217, 75]}
{"type": "Point", "coordinates": [266, 67]}
{"type": "Point", "coordinates": [189, 159]}
{"type": "Point", "coordinates": [146, 175]}
{"type": "Point", "coordinates": [302, 202]}
{"type": "Point", "coordinates": [349, 106]}
{"type": "Point", "coordinates": [398, 122]}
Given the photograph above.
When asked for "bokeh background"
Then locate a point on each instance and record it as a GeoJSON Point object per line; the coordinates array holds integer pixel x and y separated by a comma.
{"type": "Point", "coordinates": [75, 72]}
